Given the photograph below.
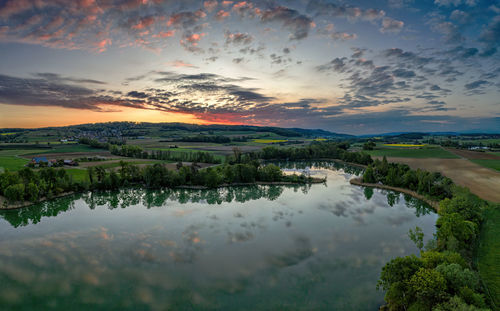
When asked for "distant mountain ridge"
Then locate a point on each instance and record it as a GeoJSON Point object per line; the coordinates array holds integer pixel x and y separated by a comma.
{"type": "Point", "coordinates": [287, 132]}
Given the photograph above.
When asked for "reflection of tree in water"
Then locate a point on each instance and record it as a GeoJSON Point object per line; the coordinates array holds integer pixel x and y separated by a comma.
{"type": "Point", "coordinates": [147, 197]}
{"type": "Point", "coordinates": [421, 208]}
{"type": "Point", "coordinates": [368, 192]}
{"type": "Point", "coordinates": [33, 214]}
{"type": "Point", "coordinates": [331, 165]}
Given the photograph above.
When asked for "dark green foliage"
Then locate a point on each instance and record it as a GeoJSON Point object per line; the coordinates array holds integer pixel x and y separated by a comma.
{"type": "Point", "coordinates": [33, 185]}
{"type": "Point", "coordinates": [434, 185]}
{"type": "Point", "coordinates": [316, 150]}
{"type": "Point", "coordinates": [443, 278]}
{"type": "Point", "coordinates": [369, 145]}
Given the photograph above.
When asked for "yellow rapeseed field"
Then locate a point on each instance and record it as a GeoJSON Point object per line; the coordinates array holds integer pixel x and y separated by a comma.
{"type": "Point", "coordinates": [403, 145]}
{"type": "Point", "coordinates": [269, 141]}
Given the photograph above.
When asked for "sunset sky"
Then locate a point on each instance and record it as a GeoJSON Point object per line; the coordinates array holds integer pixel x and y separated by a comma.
{"type": "Point", "coordinates": [347, 66]}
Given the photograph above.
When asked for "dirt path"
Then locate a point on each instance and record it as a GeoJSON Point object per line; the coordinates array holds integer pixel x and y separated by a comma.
{"type": "Point", "coordinates": [480, 180]}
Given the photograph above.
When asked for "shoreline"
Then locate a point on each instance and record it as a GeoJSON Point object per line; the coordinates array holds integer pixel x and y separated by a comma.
{"type": "Point", "coordinates": [4, 205]}
{"type": "Point", "coordinates": [432, 203]}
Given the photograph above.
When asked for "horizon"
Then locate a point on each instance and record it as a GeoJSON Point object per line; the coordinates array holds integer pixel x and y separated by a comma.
{"type": "Point", "coordinates": [284, 127]}
{"type": "Point", "coordinates": [341, 66]}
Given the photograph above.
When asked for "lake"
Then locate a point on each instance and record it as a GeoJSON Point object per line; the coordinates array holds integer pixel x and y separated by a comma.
{"type": "Point", "coordinates": [309, 247]}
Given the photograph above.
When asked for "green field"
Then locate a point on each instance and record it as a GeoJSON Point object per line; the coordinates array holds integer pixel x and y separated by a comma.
{"type": "Point", "coordinates": [493, 164]}
{"type": "Point", "coordinates": [68, 148]}
{"type": "Point", "coordinates": [9, 159]}
{"type": "Point", "coordinates": [489, 253]}
{"type": "Point", "coordinates": [402, 152]}
{"type": "Point", "coordinates": [77, 174]}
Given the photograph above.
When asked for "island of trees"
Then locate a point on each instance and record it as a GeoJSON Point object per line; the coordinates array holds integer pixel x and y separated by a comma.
{"type": "Point", "coordinates": [444, 277]}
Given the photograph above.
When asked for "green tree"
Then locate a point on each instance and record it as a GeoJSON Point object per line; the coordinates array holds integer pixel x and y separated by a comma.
{"type": "Point", "coordinates": [32, 192]}
{"type": "Point", "coordinates": [369, 175]}
{"type": "Point", "coordinates": [15, 192]}
{"type": "Point", "coordinates": [428, 286]}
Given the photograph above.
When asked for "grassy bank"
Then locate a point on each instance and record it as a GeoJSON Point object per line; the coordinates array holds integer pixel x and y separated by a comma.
{"type": "Point", "coordinates": [489, 253]}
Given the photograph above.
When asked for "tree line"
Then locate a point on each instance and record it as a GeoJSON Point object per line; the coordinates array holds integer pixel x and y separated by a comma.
{"type": "Point", "coordinates": [316, 150]}
{"type": "Point", "coordinates": [33, 185]}
{"type": "Point", "coordinates": [135, 151]}
{"type": "Point", "coordinates": [433, 184]}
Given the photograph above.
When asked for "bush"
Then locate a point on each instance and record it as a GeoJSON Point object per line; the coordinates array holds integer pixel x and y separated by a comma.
{"type": "Point", "coordinates": [15, 192]}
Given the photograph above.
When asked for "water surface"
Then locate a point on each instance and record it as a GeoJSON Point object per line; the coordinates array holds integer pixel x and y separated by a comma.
{"type": "Point", "coordinates": [318, 247]}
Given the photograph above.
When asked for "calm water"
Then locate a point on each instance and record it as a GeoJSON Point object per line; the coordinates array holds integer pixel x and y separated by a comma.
{"type": "Point", "coordinates": [318, 247]}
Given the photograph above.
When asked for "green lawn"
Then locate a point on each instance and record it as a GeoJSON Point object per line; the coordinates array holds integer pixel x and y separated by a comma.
{"type": "Point", "coordinates": [10, 161]}
{"type": "Point", "coordinates": [489, 253]}
{"type": "Point", "coordinates": [494, 164]}
{"type": "Point", "coordinates": [77, 174]}
{"type": "Point", "coordinates": [404, 152]}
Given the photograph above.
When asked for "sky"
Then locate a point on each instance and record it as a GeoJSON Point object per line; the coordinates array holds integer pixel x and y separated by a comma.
{"type": "Point", "coordinates": [357, 67]}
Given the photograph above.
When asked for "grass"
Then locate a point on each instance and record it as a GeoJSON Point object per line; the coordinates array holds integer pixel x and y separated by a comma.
{"type": "Point", "coordinates": [489, 253]}
{"type": "Point", "coordinates": [493, 164]}
{"type": "Point", "coordinates": [424, 152]}
{"type": "Point", "coordinates": [9, 159]}
{"type": "Point", "coordinates": [77, 174]}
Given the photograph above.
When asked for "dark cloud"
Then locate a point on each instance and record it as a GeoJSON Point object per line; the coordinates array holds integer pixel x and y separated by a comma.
{"type": "Point", "coordinates": [238, 38]}
{"type": "Point", "coordinates": [403, 73]}
{"type": "Point", "coordinates": [491, 34]}
{"type": "Point", "coordinates": [58, 78]}
{"type": "Point", "coordinates": [54, 92]}
{"type": "Point", "coordinates": [298, 24]}
{"type": "Point", "coordinates": [136, 94]}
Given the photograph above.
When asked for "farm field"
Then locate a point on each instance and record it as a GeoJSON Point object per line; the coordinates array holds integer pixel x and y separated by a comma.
{"type": "Point", "coordinates": [474, 155]}
{"type": "Point", "coordinates": [406, 152]}
{"type": "Point", "coordinates": [9, 159]}
{"type": "Point", "coordinates": [481, 181]}
{"type": "Point", "coordinates": [493, 164]}
{"type": "Point", "coordinates": [489, 253]}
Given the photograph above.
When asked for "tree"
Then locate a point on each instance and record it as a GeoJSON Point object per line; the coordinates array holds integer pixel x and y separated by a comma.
{"type": "Point", "coordinates": [369, 175]}
{"type": "Point", "coordinates": [428, 286]}
{"type": "Point", "coordinates": [369, 145]}
{"type": "Point", "coordinates": [90, 172]}
{"type": "Point", "coordinates": [32, 192]}
{"type": "Point", "coordinates": [15, 192]}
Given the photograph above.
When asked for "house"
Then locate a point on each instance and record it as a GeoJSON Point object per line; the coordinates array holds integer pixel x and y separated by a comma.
{"type": "Point", "coordinates": [70, 163]}
{"type": "Point", "coordinates": [38, 160]}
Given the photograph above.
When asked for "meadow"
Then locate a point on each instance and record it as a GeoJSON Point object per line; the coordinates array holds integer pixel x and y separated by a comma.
{"type": "Point", "coordinates": [493, 164]}
{"type": "Point", "coordinates": [402, 152]}
{"type": "Point", "coordinates": [489, 252]}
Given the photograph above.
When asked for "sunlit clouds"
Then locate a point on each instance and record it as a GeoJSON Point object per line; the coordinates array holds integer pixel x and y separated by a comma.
{"type": "Point", "coordinates": [320, 63]}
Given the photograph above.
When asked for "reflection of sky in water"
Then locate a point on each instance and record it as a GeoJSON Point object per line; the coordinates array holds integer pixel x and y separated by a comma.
{"type": "Point", "coordinates": [318, 247]}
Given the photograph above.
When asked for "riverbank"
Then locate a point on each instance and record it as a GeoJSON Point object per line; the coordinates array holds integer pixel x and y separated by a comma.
{"type": "Point", "coordinates": [312, 180]}
{"type": "Point", "coordinates": [5, 205]}
{"type": "Point", "coordinates": [432, 203]}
